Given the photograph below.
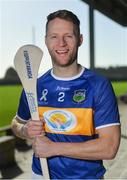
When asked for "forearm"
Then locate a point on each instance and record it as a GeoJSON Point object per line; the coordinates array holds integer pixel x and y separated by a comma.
{"type": "Point", "coordinates": [105, 147]}
{"type": "Point", "coordinates": [18, 128]}
{"type": "Point", "coordinates": [91, 150]}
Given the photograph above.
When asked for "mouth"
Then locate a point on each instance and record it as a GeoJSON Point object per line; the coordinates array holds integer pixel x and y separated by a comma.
{"type": "Point", "coordinates": [62, 52]}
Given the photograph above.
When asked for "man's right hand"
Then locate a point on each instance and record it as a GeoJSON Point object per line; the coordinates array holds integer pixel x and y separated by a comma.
{"type": "Point", "coordinates": [33, 128]}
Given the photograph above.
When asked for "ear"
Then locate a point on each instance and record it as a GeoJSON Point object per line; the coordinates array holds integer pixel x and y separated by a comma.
{"type": "Point", "coordinates": [80, 39]}
{"type": "Point", "coordinates": [45, 40]}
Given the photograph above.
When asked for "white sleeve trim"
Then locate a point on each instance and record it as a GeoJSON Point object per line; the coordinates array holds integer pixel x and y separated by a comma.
{"type": "Point", "coordinates": [108, 125]}
{"type": "Point", "coordinates": [24, 120]}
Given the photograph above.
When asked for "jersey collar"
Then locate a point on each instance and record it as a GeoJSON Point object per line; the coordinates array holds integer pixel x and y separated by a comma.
{"type": "Point", "coordinates": [69, 78]}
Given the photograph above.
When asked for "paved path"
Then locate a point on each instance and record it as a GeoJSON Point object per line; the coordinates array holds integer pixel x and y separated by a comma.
{"type": "Point", "coordinates": [116, 169]}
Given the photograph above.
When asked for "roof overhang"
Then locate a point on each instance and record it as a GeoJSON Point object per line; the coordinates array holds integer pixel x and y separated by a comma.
{"type": "Point", "coordinates": [114, 9]}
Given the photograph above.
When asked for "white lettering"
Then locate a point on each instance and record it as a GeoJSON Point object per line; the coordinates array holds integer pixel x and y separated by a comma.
{"type": "Point", "coordinates": [61, 97]}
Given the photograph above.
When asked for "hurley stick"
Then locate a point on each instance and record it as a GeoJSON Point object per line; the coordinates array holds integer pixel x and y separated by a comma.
{"type": "Point", "coordinates": [27, 61]}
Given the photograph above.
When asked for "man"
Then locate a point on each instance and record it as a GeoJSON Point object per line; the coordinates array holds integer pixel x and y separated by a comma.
{"type": "Point", "coordinates": [77, 108]}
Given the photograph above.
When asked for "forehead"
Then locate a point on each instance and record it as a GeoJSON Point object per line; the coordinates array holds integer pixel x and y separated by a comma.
{"type": "Point", "coordinates": [58, 25]}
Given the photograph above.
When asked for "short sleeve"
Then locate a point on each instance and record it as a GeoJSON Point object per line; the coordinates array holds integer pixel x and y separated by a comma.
{"type": "Point", "coordinates": [23, 109]}
{"type": "Point", "coordinates": [105, 106]}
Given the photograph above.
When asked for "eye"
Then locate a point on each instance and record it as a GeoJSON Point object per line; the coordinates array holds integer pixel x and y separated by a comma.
{"type": "Point", "coordinates": [69, 36]}
{"type": "Point", "coordinates": [53, 37]}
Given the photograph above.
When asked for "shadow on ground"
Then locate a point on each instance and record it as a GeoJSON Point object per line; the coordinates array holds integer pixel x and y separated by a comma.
{"type": "Point", "coordinates": [13, 170]}
{"type": "Point", "coordinates": [10, 172]}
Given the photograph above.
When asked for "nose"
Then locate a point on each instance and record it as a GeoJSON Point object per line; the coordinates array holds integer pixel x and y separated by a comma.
{"type": "Point", "coordinates": [62, 41]}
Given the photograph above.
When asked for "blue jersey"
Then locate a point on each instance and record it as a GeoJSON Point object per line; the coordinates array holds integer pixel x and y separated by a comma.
{"type": "Point", "coordinates": [73, 108]}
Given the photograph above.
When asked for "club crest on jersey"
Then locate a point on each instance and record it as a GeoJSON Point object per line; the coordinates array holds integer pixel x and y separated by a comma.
{"type": "Point", "coordinates": [79, 95]}
{"type": "Point", "coordinates": [60, 120]}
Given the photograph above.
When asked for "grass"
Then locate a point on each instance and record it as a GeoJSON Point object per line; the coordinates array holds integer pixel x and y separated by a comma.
{"type": "Point", "coordinates": [119, 88]}
{"type": "Point", "coordinates": [9, 99]}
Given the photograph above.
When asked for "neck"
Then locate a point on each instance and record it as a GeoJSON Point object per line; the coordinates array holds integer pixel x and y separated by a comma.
{"type": "Point", "coordinates": [65, 72]}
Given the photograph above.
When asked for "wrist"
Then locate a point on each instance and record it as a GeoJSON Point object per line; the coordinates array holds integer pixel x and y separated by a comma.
{"type": "Point", "coordinates": [22, 132]}
{"type": "Point", "coordinates": [56, 148]}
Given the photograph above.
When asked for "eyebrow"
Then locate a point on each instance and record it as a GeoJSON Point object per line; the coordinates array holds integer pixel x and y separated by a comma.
{"type": "Point", "coordinates": [68, 33]}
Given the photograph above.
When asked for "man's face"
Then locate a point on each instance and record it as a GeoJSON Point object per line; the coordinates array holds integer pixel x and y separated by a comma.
{"type": "Point", "coordinates": [62, 42]}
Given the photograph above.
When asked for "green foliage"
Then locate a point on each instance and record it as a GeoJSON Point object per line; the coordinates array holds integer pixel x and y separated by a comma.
{"type": "Point", "coordinates": [9, 99]}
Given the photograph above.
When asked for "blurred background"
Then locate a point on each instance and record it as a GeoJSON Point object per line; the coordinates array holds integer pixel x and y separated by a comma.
{"type": "Point", "coordinates": [104, 50]}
